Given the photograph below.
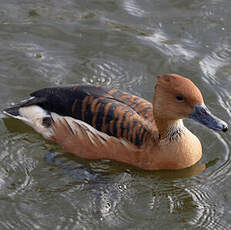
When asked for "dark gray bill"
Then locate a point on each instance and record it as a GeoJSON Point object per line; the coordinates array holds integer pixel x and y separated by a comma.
{"type": "Point", "coordinates": [202, 115]}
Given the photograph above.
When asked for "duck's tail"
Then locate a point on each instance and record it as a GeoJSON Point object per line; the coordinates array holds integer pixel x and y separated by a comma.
{"type": "Point", "coordinates": [32, 114]}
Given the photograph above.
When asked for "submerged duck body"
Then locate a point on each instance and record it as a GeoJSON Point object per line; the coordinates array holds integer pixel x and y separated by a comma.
{"type": "Point", "coordinates": [98, 123]}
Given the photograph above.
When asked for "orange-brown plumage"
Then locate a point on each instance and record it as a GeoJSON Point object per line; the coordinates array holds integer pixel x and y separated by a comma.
{"type": "Point", "coordinates": [96, 123]}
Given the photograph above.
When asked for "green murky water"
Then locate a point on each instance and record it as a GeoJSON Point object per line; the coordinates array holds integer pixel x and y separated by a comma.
{"type": "Point", "coordinates": [123, 44]}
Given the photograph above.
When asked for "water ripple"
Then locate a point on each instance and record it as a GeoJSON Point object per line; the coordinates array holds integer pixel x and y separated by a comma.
{"type": "Point", "coordinates": [118, 44]}
{"type": "Point", "coordinates": [50, 67]}
{"type": "Point", "coordinates": [111, 71]}
{"type": "Point", "coordinates": [208, 214]}
{"type": "Point", "coordinates": [132, 7]}
{"type": "Point", "coordinates": [161, 41]}
{"type": "Point", "coordinates": [15, 170]}
{"type": "Point", "coordinates": [212, 63]}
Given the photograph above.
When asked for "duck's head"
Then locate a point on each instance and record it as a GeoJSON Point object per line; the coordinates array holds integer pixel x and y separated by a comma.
{"type": "Point", "coordinates": [177, 97]}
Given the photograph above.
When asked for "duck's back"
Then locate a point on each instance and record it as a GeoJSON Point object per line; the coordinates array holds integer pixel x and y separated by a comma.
{"type": "Point", "coordinates": [113, 112]}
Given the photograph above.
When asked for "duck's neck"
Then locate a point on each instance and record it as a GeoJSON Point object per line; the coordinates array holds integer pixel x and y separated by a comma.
{"type": "Point", "coordinates": [170, 129]}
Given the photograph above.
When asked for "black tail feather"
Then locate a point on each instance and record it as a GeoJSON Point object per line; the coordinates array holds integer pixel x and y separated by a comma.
{"type": "Point", "coordinates": [14, 110]}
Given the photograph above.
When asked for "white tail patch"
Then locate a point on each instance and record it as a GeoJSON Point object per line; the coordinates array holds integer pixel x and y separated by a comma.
{"type": "Point", "coordinates": [33, 116]}
{"type": "Point", "coordinates": [32, 112]}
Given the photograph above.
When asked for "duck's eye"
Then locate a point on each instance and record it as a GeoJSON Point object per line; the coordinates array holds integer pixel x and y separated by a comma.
{"type": "Point", "coordinates": [179, 98]}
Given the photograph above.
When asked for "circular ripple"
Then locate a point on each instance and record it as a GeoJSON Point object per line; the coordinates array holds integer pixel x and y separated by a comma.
{"type": "Point", "coordinates": [111, 71]}
{"type": "Point", "coordinates": [15, 167]}
{"type": "Point", "coordinates": [209, 212]}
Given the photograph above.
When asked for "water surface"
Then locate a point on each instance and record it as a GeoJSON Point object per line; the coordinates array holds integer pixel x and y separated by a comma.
{"type": "Point", "coordinates": [123, 44]}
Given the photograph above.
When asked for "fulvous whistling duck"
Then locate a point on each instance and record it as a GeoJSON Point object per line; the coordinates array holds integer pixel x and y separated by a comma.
{"type": "Point", "coordinates": [98, 123]}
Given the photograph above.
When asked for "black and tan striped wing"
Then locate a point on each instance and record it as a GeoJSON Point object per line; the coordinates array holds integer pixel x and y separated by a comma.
{"type": "Point", "coordinates": [138, 104]}
{"type": "Point", "coordinates": [112, 114]}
